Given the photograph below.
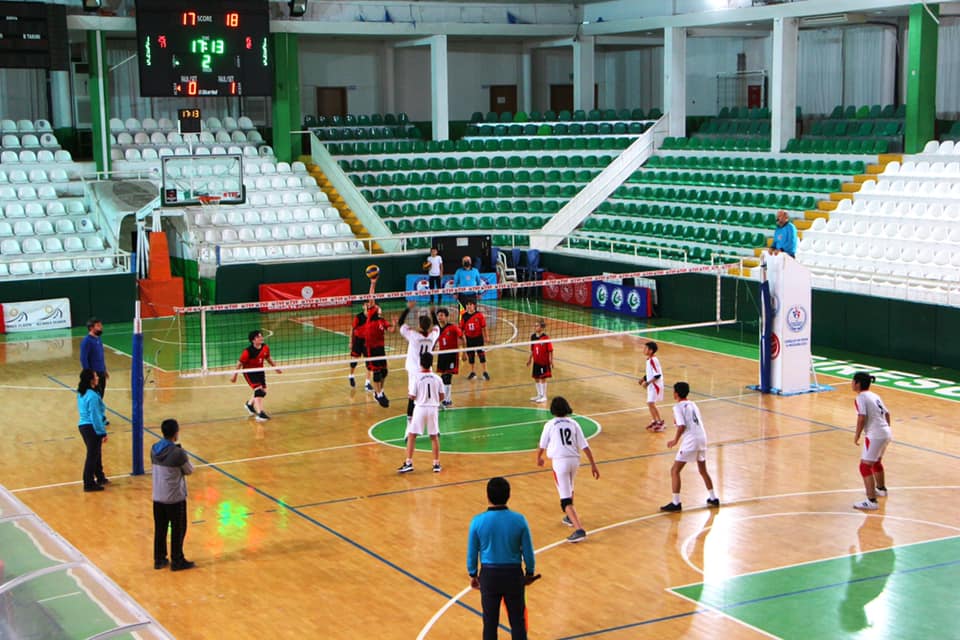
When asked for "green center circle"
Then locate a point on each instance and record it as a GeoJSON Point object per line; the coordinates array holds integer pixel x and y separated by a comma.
{"type": "Point", "coordinates": [480, 429]}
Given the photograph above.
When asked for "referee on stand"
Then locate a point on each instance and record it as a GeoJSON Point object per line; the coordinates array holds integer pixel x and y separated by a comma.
{"type": "Point", "coordinates": [500, 538]}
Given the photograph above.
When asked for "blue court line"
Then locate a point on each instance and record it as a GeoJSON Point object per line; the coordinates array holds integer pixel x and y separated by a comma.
{"type": "Point", "coordinates": [370, 552]}
{"type": "Point", "coordinates": [835, 585]}
{"type": "Point", "coordinates": [632, 625]}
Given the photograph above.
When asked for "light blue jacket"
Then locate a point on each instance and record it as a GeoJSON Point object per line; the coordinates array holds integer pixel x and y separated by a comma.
{"type": "Point", "coordinates": [91, 409]}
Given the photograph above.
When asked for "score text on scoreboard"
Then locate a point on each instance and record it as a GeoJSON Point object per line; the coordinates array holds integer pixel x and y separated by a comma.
{"type": "Point", "coordinates": [191, 48]}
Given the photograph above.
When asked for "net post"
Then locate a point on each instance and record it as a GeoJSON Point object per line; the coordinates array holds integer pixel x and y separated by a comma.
{"type": "Point", "coordinates": [718, 299]}
{"type": "Point", "coordinates": [203, 340]}
{"type": "Point", "coordinates": [136, 389]}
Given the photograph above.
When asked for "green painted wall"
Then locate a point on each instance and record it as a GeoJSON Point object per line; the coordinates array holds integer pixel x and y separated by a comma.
{"type": "Point", "coordinates": [109, 297]}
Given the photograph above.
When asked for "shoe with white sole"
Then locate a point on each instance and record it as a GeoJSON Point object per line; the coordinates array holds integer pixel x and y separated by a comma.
{"type": "Point", "coordinates": [867, 505]}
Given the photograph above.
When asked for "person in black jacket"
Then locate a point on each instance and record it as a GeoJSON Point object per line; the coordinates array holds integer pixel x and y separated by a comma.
{"type": "Point", "coordinates": [171, 466]}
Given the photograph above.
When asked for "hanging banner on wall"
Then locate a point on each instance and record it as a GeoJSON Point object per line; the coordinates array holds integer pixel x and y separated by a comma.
{"type": "Point", "coordinates": [634, 301]}
{"type": "Point", "coordinates": [578, 294]}
{"type": "Point", "coordinates": [305, 290]}
{"type": "Point", "coordinates": [35, 315]}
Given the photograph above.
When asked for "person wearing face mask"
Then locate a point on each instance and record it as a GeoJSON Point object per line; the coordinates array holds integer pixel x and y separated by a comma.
{"type": "Point", "coordinates": [466, 276]}
{"type": "Point", "coordinates": [91, 357]}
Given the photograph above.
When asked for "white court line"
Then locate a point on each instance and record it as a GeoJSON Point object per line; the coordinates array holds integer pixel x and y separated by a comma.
{"type": "Point", "coordinates": [723, 614]}
{"type": "Point", "coordinates": [453, 600]}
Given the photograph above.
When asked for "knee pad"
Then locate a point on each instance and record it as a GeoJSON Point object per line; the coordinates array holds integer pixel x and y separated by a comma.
{"type": "Point", "coordinates": [353, 364]}
{"type": "Point", "coordinates": [482, 356]}
{"type": "Point", "coordinates": [565, 502]}
{"type": "Point", "coordinates": [878, 466]}
{"type": "Point", "coordinates": [410, 404]}
{"type": "Point", "coordinates": [866, 469]}
{"type": "Point", "coordinates": [447, 378]}
{"type": "Point", "coordinates": [379, 376]}
{"type": "Point", "coordinates": [259, 393]}
{"type": "Point", "coordinates": [471, 357]}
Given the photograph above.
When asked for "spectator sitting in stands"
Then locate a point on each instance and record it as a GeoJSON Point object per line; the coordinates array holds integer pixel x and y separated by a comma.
{"type": "Point", "coordinates": [785, 236]}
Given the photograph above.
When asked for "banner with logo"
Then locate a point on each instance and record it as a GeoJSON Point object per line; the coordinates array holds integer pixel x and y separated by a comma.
{"type": "Point", "coordinates": [35, 315]}
{"type": "Point", "coordinates": [421, 282]}
{"type": "Point", "coordinates": [304, 290]}
{"type": "Point", "coordinates": [634, 301]}
{"type": "Point", "coordinates": [790, 306]}
{"type": "Point", "coordinates": [578, 294]}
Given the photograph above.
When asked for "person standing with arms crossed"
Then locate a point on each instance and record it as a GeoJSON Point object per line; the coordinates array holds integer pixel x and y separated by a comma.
{"type": "Point", "coordinates": [91, 357]}
{"type": "Point", "coordinates": [873, 423]}
{"type": "Point", "coordinates": [500, 539]}
{"type": "Point", "coordinates": [171, 466]}
{"type": "Point", "coordinates": [466, 276]}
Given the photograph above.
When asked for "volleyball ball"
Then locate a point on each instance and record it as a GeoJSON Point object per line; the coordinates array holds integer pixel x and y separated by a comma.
{"type": "Point", "coordinates": [372, 271]}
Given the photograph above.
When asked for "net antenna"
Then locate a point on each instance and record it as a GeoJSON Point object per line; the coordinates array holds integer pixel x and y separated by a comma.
{"type": "Point", "coordinates": [136, 389]}
{"type": "Point", "coordinates": [317, 332]}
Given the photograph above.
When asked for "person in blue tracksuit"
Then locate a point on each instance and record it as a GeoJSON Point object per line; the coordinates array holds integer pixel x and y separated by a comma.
{"type": "Point", "coordinates": [91, 356]}
{"type": "Point", "coordinates": [784, 236]}
{"type": "Point", "coordinates": [92, 429]}
{"type": "Point", "coordinates": [500, 539]}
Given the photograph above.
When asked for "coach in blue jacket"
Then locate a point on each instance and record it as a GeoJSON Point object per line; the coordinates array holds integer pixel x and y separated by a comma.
{"type": "Point", "coordinates": [500, 538]}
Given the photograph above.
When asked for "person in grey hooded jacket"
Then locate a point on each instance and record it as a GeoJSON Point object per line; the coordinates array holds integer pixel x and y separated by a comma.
{"type": "Point", "coordinates": [171, 466]}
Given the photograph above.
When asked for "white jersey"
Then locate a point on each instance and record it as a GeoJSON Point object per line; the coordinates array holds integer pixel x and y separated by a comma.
{"type": "Point", "coordinates": [562, 438]}
{"type": "Point", "coordinates": [436, 266]}
{"type": "Point", "coordinates": [428, 387]}
{"type": "Point", "coordinates": [419, 344]}
{"type": "Point", "coordinates": [654, 370]}
{"type": "Point", "coordinates": [687, 414]}
{"type": "Point", "coordinates": [870, 405]}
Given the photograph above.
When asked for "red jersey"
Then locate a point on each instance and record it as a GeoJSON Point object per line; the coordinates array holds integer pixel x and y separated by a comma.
{"type": "Point", "coordinates": [473, 324]}
{"type": "Point", "coordinates": [449, 337]}
{"type": "Point", "coordinates": [373, 332]}
{"type": "Point", "coordinates": [541, 349]}
{"type": "Point", "coordinates": [253, 358]}
{"type": "Point", "coordinates": [358, 321]}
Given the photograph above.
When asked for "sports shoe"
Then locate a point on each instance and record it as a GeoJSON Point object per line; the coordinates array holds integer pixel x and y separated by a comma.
{"type": "Point", "coordinates": [262, 417]}
{"type": "Point", "coordinates": [353, 381]}
{"type": "Point", "coordinates": [541, 399]}
{"type": "Point", "coordinates": [882, 492]}
{"type": "Point", "coordinates": [486, 376]}
{"type": "Point", "coordinates": [652, 424]}
{"type": "Point", "coordinates": [567, 521]}
{"type": "Point", "coordinates": [658, 428]}
{"type": "Point", "coordinates": [867, 505]}
{"type": "Point", "coordinates": [250, 409]}
{"type": "Point", "coordinates": [183, 565]}
{"type": "Point", "coordinates": [671, 506]}
{"type": "Point", "coordinates": [472, 376]}
{"type": "Point", "coordinates": [161, 564]}
{"type": "Point", "coordinates": [577, 536]}
{"type": "Point", "coordinates": [447, 403]}
{"type": "Point", "coordinates": [713, 502]}
{"type": "Point", "coordinates": [367, 386]}
{"type": "Point", "coordinates": [382, 400]}
{"type": "Point", "coordinates": [406, 467]}
{"type": "Point", "coordinates": [437, 468]}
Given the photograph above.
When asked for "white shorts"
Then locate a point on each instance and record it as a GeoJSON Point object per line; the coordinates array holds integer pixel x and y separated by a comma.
{"type": "Point", "coordinates": [873, 448]}
{"type": "Point", "coordinates": [655, 391]}
{"type": "Point", "coordinates": [692, 451]}
{"type": "Point", "coordinates": [425, 419]}
{"type": "Point", "coordinates": [564, 471]}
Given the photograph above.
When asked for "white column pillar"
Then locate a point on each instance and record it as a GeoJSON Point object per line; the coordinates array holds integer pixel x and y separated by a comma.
{"type": "Point", "coordinates": [675, 80]}
{"type": "Point", "coordinates": [62, 115]}
{"type": "Point", "coordinates": [783, 89]}
{"type": "Point", "coordinates": [388, 101]}
{"type": "Point", "coordinates": [439, 88]}
{"type": "Point", "coordinates": [583, 73]}
{"type": "Point", "coordinates": [526, 81]}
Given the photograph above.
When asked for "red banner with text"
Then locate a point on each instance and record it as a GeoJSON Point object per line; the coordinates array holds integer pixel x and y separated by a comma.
{"type": "Point", "coordinates": [304, 290]}
{"type": "Point", "coordinates": [578, 294]}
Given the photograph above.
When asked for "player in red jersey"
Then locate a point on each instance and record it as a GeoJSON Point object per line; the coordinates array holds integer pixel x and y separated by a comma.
{"type": "Point", "coordinates": [541, 355]}
{"type": "Point", "coordinates": [448, 364]}
{"type": "Point", "coordinates": [253, 357]}
{"type": "Point", "coordinates": [376, 328]}
{"type": "Point", "coordinates": [358, 347]}
{"type": "Point", "coordinates": [474, 327]}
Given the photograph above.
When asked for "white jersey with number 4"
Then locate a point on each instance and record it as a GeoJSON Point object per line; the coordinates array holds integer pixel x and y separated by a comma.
{"type": "Point", "coordinates": [687, 414]}
{"type": "Point", "coordinates": [419, 344]}
{"type": "Point", "coordinates": [429, 386]}
{"type": "Point", "coordinates": [870, 405]}
{"type": "Point", "coordinates": [562, 438]}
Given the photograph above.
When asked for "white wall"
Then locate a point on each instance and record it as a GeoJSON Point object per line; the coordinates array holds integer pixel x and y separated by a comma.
{"type": "Point", "coordinates": [341, 63]}
{"type": "Point", "coordinates": [474, 69]}
{"type": "Point", "coordinates": [23, 94]}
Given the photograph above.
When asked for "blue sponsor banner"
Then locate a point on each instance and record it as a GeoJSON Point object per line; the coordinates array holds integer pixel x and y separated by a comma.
{"type": "Point", "coordinates": [421, 282]}
{"type": "Point", "coordinates": [633, 301]}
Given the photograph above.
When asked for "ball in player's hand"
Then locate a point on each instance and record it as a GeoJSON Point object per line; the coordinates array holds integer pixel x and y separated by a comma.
{"type": "Point", "coordinates": [372, 271]}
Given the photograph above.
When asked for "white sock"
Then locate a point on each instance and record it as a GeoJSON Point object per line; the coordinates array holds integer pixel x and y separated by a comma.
{"type": "Point", "coordinates": [543, 389]}
{"type": "Point", "coordinates": [676, 498]}
{"type": "Point", "coordinates": [448, 392]}
{"type": "Point", "coordinates": [435, 461]}
{"type": "Point", "coordinates": [350, 376]}
{"type": "Point", "coordinates": [713, 496]}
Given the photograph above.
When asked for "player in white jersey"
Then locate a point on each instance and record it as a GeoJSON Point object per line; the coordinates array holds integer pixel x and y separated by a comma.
{"type": "Point", "coordinates": [653, 383]}
{"type": "Point", "coordinates": [427, 394]}
{"type": "Point", "coordinates": [562, 439]}
{"type": "Point", "coordinates": [873, 422]}
{"type": "Point", "coordinates": [418, 342]}
{"type": "Point", "coordinates": [693, 446]}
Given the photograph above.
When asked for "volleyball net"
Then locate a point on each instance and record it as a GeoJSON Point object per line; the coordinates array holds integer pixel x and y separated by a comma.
{"type": "Point", "coordinates": [317, 332]}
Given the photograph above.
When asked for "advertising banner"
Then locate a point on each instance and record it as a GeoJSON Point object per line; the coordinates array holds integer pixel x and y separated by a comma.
{"type": "Point", "coordinates": [578, 294]}
{"type": "Point", "coordinates": [304, 290]}
{"type": "Point", "coordinates": [421, 282]}
{"type": "Point", "coordinates": [36, 315]}
{"type": "Point", "coordinates": [633, 301]}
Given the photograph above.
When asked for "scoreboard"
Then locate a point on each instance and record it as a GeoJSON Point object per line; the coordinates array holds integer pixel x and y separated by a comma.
{"type": "Point", "coordinates": [33, 35]}
{"type": "Point", "coordinates": [198, 48]}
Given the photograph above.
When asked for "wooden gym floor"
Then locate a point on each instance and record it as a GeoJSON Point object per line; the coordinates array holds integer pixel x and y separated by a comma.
{"type": "Point", "coordinates": [301, 527]}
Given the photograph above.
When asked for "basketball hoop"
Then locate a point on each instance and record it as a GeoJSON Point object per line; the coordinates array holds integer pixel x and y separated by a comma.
{"type": "Point", "coordinates": [209, 201]}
